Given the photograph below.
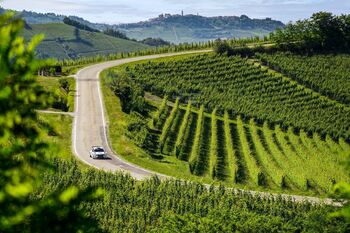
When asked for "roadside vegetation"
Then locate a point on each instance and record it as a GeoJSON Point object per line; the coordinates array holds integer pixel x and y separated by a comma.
{"type": "Point", "coordinates": [57, 131]}
{"type": "Point", "coordinates": [61, 92]}
{"type": "Point", "coordinates": [24, 153]}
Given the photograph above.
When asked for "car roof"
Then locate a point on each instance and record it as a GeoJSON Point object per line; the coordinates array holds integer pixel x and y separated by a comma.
{"type": "Point", "coordinates": [97, 147]}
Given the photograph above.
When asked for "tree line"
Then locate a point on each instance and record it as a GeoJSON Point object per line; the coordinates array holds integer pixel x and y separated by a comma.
{"type": "Point", "coordinates": [322, 32]}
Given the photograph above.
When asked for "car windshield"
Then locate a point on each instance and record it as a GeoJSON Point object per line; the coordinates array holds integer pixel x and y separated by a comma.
{"type": "Point", "coordinates": [98, 150]}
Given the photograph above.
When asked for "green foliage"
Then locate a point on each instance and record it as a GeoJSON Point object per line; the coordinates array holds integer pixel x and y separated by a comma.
{"type": "Point", "coordinates": [115, 33]}
{"type": "Point", "coordinates": [270, 165]}
{"type": "Point", "coordinates": [19, 145]}
{"type": "Point", "coordinates": [222, 48]}
{"type": "Point", "coordinates": [253, 168]}
{"type": "Point", "coordinates": [177, 206]}
{"type": "Point", "coordinates": [60, 90]}
{"type": "Point", "coordinates": [167, 124]}
{"type": "Point", "coordinates": [22, 150]}
{"type": "Point", "coordinates": [323, 31]}
{"type": "Point", "coordinates": [64, 84]}
{"type": "Point", "coordinates": [342, 190]}
{"type": "Point", "coordinates": [290, 161]}
{"type": "Point", "coordinates": [231, 157]}
{"type": "Point", "coordinates": [157, 118]}
{"type": "Point", "coordinates": [130, 93]}
{"type": "Point", "coordinates": [193, 160]}
{"type": "Point", "coordinates": [157, 42]}
{"type": "Point", "coordinates": [182, 131]}
{"type": "Point", "coordinates": [213, 158]}
{"type": "Point", "coordinates": [326, 74]}
{"type": "Point", "coordinates": [79, 25]}
{"type": "Point", "coordinates": [138, 129]}
{"type": "Point", "coordinates": [237, 85]}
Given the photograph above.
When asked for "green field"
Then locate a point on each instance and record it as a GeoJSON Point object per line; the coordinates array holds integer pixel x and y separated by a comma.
{"type": "Point", "coordinates": [64, 42]}
{"type": "Point", "coordinates": [257, 129]}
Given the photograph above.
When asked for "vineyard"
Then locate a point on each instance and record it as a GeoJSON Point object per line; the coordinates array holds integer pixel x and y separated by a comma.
{"type": "Point", "coordinates": [327, 74]}
{"type": "Point", "coordinates": [155, 206]}
{"type": "Point", "coordinates": [237, 122]}
{"type": "Point", "coordinates": [242, 88]}
{"type": "Point", "coordinates": [245, 152]}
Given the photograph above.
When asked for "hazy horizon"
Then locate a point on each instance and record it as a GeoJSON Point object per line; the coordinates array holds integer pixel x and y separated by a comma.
{"type": "Point", "coordinates": [129, 11]}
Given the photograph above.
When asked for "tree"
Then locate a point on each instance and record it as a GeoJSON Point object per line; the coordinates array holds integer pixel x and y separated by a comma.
{"type": "Point", "coordinates": [130, 93]}
{"type": "Point", "coordinates": [323, 31]}
{"type": "Point", "coordinates": [79, 25]}
{"type": "Point", "coordinates": [22, 150]}
{"type": "Point", "coordinates": [157, 42]}
{"type": "Point", "coordinates": [327, 30]}
{"type": "Point", "coordinates": [115, 33]}
{"type": "Point", "coordinates": [222, 48]}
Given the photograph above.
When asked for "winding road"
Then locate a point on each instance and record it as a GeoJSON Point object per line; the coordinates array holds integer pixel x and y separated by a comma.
{"type": "Point", "coordinates": [90, 127]}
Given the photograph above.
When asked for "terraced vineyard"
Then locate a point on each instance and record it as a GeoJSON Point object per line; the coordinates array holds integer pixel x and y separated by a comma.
{"type": "Point", "coordinates": [240, 87]}
{"type": "Point", "coordinates": [240, 123]}
{"type": "Point", "coordinates": [244, 152]}
{"type": "Point", "coordinates": [327, 74]}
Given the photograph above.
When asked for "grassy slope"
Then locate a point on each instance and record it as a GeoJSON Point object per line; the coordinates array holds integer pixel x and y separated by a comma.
{"type": "Point", "coordinates": [51, 85]}
{"type": "Point", "coordinates": [63, 41]}
{"type": "Point", "coordinates": [58, 134]}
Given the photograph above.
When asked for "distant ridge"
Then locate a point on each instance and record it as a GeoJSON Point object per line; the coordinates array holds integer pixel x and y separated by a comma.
{"type": "Point", "coordinates": [174, 28]}
{"type": "Point", "coordinates": [191, 28]}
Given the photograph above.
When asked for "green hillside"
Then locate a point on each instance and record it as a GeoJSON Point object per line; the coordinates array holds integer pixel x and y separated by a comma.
{"type": "Point", "coordinates": [245, 125]}
{"type": "Point", "coordinates": [63, 41]}
{"type": "Point", "coordinates": [242, 87]}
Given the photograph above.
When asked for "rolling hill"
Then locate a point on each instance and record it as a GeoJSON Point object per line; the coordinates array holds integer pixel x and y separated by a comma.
{"type": "Point", "coordinates": [174, 28]}
{"type": "Point", "coordinates": [194, 28]}
{"type": "Point", "coordinates": [236, 121]}
{"type": "Point", "coordinates": [63, 42]}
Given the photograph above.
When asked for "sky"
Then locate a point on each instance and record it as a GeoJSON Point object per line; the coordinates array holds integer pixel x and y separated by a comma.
{"type": "Point", "coordinates": [128, 11]}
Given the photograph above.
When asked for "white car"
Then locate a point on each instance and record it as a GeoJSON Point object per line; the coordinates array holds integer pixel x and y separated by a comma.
{"type": "Point", "coordinates": [97, 152]}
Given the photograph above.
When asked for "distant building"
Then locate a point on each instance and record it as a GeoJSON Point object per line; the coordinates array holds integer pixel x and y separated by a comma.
{"type": "Point", "coordinates": [167, 15]}
{"type": "Point", "coordinates": [182, 13]}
